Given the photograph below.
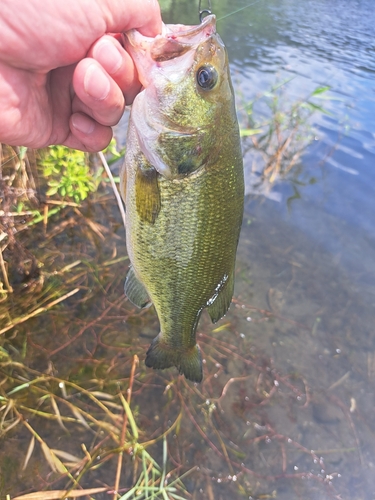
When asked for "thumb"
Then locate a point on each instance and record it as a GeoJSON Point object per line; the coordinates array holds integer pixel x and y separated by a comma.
{"type": "Point", "coordinates": [123, 15]}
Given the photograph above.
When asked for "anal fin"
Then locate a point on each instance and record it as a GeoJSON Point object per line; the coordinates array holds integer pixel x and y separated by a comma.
{"type": "Point", "coordinates": [218, 308]}
{"type": "Point", "coordinates": [135, 290]}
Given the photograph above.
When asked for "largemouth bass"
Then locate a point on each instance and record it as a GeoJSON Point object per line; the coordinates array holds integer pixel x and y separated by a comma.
{"type": "Point", "coordinates": [182, 183]}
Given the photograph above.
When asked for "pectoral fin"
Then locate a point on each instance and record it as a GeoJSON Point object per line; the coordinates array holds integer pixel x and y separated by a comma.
{"type": "Point", "coordinates": [221, 303]}
{"type": "Point", "coordinates": [135, 290]}
{"type": "Point", "coordinates": [147, 194]}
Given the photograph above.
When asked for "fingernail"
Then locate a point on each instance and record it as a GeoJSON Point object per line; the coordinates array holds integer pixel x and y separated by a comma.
{"type": "Point", "coordinates": [96, 83]}
{"type": "Point", "coordinates": [83, 123]}
{"type": "Point", "coordinates": [109, 56]}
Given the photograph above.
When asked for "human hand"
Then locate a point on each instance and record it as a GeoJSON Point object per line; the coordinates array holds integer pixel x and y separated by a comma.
{"type": "Point", "coordinates": [63, 79]}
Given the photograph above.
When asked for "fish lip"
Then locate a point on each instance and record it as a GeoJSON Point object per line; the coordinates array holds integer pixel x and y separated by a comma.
{"type": "Point", "coordinates": [208, 21]}
{"type": "Point", "coordinates": [171, 32]}
{"type": "Point", "coordinates": [178, 39]}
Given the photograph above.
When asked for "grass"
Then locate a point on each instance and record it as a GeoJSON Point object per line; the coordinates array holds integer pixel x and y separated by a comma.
{"type": "Point", "coordinates": [80, 417]}
{"type": "Point", "coordinates": [108, 414]}
{"type": "Point", "coordinates": [105, 413]}
{"type": "Point", "coordinates": [280, 139]}
{"type": "Point", "coordinates": [67, 281]}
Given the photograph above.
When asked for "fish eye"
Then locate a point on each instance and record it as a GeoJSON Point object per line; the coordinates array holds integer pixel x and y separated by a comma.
{"type": "Point", "coordinates": [207, 77]}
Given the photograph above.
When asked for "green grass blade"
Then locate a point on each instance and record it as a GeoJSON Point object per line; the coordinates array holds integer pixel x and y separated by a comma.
{"type": "Point", "coordinates": [130, 416]}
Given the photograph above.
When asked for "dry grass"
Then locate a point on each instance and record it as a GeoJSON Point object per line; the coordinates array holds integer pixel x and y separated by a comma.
{"type": "Point", "coordinates": [277, 143]}
{"type": "Point", "coordinates": [80, 417]}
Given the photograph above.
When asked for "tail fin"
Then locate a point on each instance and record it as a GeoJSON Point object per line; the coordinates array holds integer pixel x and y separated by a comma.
{"type": "Point", "coordinates": [188, 362]}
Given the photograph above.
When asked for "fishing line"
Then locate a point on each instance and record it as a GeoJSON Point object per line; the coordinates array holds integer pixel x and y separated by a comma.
{"type": "Point", "coordinates": [114, 187]}
{"type": "Point", "coordinates": [239, 10]}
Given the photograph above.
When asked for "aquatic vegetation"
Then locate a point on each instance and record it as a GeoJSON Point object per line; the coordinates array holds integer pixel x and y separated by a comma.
{"type": "Point", "coordinates": [106, 424]}
{"type": "Point", "coordinates": [78, 414]}
{"type": "Point", "coordinates": [34, 187]}
{"type": "Point", "coordinates": [100, 412]}
{"type": "Point", "coordinates": [281, 137]}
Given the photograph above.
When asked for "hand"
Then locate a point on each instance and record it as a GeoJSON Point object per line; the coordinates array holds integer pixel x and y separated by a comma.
{"type": "Point", "coordinates": [63, 79]}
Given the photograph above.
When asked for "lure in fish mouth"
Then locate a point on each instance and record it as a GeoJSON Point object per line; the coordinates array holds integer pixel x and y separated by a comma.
{"type": "Point", "coordinates": [182, 183]}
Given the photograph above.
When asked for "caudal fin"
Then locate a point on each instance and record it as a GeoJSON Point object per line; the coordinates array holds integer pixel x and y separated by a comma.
{"type": "Point", "coordinates": [188, 362]}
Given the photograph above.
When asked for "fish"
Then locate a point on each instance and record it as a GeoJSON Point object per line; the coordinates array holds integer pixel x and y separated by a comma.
{"type": "Point", "coordinates": [183, 187]}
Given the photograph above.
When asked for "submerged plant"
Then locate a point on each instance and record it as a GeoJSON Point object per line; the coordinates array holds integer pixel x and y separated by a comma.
{"type": "Point", "coordinates": [101, 413]}
{"type": "Point", "coordinates": [283, 136]}
{"type": "Point", "coordinates": [88, 420]}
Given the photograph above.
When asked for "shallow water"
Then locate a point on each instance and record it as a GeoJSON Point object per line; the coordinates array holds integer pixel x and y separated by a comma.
{"type": "Point", "coordinates": [286, 409]}
{"type": "Point", "coordinates": [310, 258]}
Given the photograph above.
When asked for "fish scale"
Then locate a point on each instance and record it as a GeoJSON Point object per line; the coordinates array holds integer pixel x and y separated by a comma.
{"type": "Point", "coordinates": [182, 184]}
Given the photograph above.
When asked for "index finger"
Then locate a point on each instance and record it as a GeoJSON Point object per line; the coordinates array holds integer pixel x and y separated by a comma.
{"type": "Point", "coordinates": [123, 15]}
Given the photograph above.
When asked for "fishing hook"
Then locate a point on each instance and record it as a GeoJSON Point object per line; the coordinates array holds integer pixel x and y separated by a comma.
{"type": "Point", "coordinates": [204, 12]}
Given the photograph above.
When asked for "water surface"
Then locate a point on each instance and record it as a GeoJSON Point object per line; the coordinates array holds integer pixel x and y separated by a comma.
{"type": "Point", "coordinates": [309, 259]}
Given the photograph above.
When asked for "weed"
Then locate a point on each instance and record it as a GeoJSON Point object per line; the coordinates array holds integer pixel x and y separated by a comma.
{"type": "Point", "coordinates": [67, 173]}
{"type": "Point", "coordinates": [284, 135]}
{"type": "Point", "coordinates": [65, 403]}
{"type": "Point", "coordinates": [87, 419]}
{"type": "Point", "coordinates": [35, 186]}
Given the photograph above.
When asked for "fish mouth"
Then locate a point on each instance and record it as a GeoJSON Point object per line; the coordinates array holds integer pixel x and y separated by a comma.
{"type": "Point", "coordinates": [174, 41]}
{"type": "Point", "coordinates": [178, 40]}
{"type": "Point", "coordinates": [208, 26]}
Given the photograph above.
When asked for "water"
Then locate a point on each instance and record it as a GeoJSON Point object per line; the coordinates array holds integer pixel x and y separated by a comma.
{"type": "Point", "coordinates": [286, 408]}
{"type": "Point", "coordinates": [310, 258]}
